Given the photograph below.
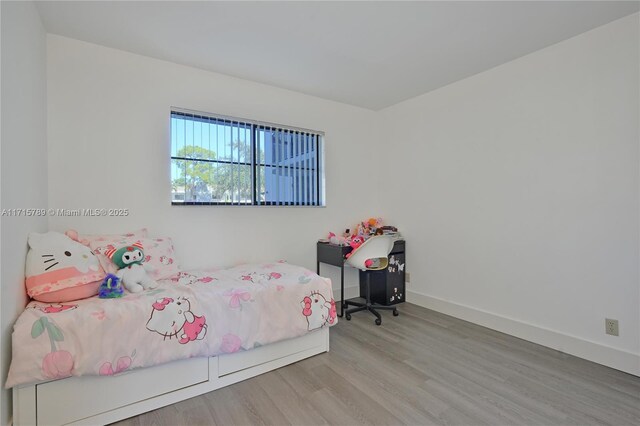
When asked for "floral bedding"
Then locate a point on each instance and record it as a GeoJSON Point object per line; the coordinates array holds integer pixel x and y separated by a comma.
{"type": "Point", "coordinates": [194, 314]}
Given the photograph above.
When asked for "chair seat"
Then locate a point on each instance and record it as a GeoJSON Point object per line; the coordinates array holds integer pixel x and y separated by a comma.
{"type": "Point", "coordinates": [377, 247]}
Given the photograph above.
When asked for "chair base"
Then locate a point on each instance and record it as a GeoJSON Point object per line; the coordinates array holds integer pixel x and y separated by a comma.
{"type": "Point", "coordinates": [371, 307]}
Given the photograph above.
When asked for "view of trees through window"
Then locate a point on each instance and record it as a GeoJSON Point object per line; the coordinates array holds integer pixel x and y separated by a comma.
{"type": "Point", "coordinates": [220, 161]}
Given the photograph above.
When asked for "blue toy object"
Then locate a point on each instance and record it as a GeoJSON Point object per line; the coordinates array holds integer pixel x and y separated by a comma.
{"type": "Point", "coordinates": [111, 288]}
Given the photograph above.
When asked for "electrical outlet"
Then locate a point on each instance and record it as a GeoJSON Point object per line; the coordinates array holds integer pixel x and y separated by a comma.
{"type": "Point", "coordinates": [407, 277]}
{"type": "Point", "coordinates": [611, 326]}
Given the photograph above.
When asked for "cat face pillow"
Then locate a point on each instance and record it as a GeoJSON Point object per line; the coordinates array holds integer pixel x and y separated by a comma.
{"type": "Point", "coordinates": [60, 269]}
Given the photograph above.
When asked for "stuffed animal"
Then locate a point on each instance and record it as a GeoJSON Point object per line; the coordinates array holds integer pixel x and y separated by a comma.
{"type": "Point", "coordinates": [374, 223]}
{"type": "Point", "coordinates": [59, 269]}
{"type": "Point", "coordinates": [131, 270]}
{"type": "Point", "coordinates": [111, 288]}
{"type": "Point", "coordinates": [337, 240]}
{"type": "Point", "coordinates": [369, 227]}
{"type": "Point", "coordinates": [355, 242]}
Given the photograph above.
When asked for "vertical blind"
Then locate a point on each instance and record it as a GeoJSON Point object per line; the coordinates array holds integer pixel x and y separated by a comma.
{"type": "Point", "coordinates": [225, 161]}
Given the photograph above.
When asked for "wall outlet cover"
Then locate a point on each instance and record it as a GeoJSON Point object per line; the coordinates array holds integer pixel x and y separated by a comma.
{"type": "Point", "coordinates": [611, 327]}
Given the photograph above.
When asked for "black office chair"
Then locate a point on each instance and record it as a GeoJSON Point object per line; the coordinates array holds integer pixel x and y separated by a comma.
{"type": "Point", "coordinates": [375, 250]}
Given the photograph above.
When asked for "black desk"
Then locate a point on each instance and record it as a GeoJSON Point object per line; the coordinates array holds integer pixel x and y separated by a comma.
{"type": "Point", "coordinates": [332, 254]}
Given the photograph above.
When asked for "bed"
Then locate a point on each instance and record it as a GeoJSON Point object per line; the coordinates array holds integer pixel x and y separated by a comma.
{"type": "Point", "coordinates": [101, 360]}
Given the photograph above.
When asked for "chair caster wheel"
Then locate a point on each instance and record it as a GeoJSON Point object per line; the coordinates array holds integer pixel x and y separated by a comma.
{"type": "Point", "coordinates": [395, 313]}
{"type": "Point", "coordinates": [348, 317]}
{"type": "Point", "coordinates": [378, 321]}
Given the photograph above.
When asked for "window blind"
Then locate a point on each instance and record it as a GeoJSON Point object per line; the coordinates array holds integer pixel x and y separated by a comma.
{"type": "Point", "coordinates": [217, 160]}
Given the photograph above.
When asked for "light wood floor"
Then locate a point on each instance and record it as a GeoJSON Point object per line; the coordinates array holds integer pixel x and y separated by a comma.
{"type": "Point", "coordinates": [420, 368]}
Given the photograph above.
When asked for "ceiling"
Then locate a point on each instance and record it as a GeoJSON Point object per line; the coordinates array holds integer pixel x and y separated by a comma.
{"type": "Point", "coordinates": [369, 54]}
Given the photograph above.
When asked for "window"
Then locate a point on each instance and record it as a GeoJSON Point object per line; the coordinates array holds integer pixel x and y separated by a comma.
{"type": "Point", "coordinates": [226, 161]}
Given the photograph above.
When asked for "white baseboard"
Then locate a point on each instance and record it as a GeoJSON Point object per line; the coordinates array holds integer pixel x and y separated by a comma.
{"type": "Point", "coordinates": [596, 352]}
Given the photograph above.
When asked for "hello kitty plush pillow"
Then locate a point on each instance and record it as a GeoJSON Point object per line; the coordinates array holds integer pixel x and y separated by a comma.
{"type": "Point", "coordinates": [60, 269]}
{"type": "Point", "coordinates": [159, 254]}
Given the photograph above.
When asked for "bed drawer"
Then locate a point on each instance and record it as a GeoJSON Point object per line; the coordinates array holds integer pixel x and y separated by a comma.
{"type": "Point", "coordinates": [237, 361]}
{"type": "Point", "coordinates": [72, 399]}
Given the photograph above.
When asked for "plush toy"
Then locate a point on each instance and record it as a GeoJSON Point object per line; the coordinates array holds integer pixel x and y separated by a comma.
{"type": "Point", "coordinates": [59, 269]}
{"type": "Point", "coordinates": [111, 288]}
{"type": "Point", "coordinates": [337, 240]}
{"type": "Point", "coordinates": [373, 222]}
{"type": "Point", "coordinates": [131, 270]}
{"type": "Point", "coordinates": [369, 226]}
{"type": "Point", "coordinates": [355, 242]}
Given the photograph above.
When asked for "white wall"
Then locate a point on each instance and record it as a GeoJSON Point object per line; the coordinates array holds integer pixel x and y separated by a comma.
{"type": "Point", "coordinates": [523, 209]}
{"type": "Point", "coordinates": [108, 116]}
{"type": "Point", "coordinates": [23, 160]}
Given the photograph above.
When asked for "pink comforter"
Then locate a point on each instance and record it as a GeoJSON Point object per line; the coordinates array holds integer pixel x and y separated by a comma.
{"type": "Point", "coordinates": [195, 314]}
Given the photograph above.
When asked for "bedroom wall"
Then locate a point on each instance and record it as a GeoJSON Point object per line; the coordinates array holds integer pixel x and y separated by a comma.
{"type": "Point", "coordinates": [23, 160]}
{"type": "Point", "coordinates": [523, 209]}
{"type": "Point", "coordinates": [108, 117]}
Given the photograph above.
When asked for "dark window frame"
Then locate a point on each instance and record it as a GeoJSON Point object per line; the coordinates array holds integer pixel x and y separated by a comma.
{"type": "Point", "coordinates": [317, 143]}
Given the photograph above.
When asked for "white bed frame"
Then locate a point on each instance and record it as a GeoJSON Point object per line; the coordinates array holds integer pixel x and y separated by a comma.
{"type": "Point", "coordinates": [95, 400]}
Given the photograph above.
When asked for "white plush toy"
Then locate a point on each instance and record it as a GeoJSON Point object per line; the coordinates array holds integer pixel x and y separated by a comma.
{"type": "Point", "coordinates": [59, 269]}
{"type": "Point", "coordinates": [131, 270]}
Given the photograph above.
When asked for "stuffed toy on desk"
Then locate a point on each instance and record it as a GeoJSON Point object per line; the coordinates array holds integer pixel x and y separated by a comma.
{"type": "Point", "coordinates": [337, 240]}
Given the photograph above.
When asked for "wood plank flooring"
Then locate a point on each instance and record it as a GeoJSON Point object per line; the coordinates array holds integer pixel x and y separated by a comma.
{"type": "Point", "coordinates": [421, 368]}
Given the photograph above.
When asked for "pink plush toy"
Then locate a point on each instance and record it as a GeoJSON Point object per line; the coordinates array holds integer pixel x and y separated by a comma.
{"type": "Point", "coordinates": [355, 242]}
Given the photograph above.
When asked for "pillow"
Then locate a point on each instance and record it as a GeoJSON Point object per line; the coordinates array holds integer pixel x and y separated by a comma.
{"type": "Point", "coordinates": [159, 254]}
{"type": "Point", "coordinates": [87, 239]}
{"type": "Point", "coordinates": [60, 269]}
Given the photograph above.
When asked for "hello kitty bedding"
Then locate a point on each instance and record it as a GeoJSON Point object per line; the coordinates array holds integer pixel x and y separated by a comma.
{"type": "Point", "coordinates": [194, 314]}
